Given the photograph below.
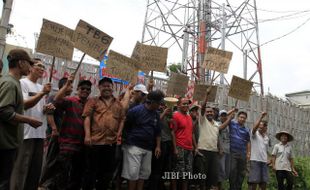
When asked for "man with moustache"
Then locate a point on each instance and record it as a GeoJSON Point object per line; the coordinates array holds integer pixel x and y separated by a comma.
{"type": "Point", "coordinates": [11, 113]}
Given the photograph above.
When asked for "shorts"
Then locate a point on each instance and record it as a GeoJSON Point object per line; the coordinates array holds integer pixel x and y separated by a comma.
{"type": "Point", "coordinates": [183, 161]}
{"type": "Point", "coordinates": [136, 163]}
{"type": "Point", "coordinates": [258, 172]}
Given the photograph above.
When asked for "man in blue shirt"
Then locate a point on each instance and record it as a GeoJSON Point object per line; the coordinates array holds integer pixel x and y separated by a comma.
{"type": "Point", "coordinates": [142, 127]}
{"type": "Point", "coordinates": [239, 137]}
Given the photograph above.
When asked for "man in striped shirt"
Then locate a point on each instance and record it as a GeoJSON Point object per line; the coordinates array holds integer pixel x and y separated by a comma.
{"type": "Point", "coordinates": [70, 160]}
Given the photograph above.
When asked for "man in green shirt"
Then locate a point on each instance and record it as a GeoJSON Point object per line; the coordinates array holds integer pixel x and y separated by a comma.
{"type": "Point", "coordinates": [11, 113]}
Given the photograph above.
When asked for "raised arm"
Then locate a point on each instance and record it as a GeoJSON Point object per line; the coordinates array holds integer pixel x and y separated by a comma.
{"type": "Point", "coordinates": [256, 125]}
{"type": "Point", "coordinates": [33, 100]}
{"type": "Point", "coordinates": [231, 115]}
{"type": "Point", "coordinates": [62, 92]}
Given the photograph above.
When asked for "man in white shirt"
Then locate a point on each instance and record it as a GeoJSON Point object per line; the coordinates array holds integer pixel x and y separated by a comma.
{"type": "Point", "coordinates": [258, 161]}
{"type": "Point", "coordinates": [27, 169]}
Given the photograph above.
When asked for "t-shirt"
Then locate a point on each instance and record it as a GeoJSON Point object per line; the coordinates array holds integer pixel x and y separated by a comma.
{"type": "Point", "coordinates": [283, 153]}
{"type": "Point", "coordinates": [259, 145]}
{"type": "Point", "coordinates": [142, 126]}
{"type": "Point", "coordinates": [11, 102]}
{"type": "Point", "coordinates": [165, 131]}
{"type": "Point", "coordinates": [224, 139]}
{"type": "Point", "coordinates": [29, 90]}
{"type": "Point", "coordinates": [182, 125]}
{"type": "Point", "coordinates": [208, 134]}
{"type": "Point", "coordinates": [239, 137]}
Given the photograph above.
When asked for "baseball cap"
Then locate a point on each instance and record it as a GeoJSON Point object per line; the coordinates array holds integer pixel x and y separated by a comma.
{"type": "Point", "coordinates": [84, 82]}
{"type": "Point", "coordinates": [222, 112]}
{"type": "Point", "coordinates": [105, 79]}
{"type": "Point", "coordinates": [19, 54]}
{"type": "Point", "coordinates": [140, 87]}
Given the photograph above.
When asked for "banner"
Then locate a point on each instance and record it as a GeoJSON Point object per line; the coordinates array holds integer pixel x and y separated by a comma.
{"type": "Point", "coordinates": [121, 66]}
{"type": "Point", "coordinates": [217, 60]}
{"type": "Point", "coordinates": [177, 85]}
{"type": "Point", "coordinates": [240, 88]}
{"type": "Point", "coordinates": [151, 58]}
{"type": "Point", "coordinates": [55, 40]}
{"type": "Point", "coordinates": [200, 92]}
{"type": "Point", "coordinates": [91, 40]}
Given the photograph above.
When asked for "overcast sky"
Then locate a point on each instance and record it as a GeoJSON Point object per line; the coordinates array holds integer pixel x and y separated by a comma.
{"type": "Point", "coordinates": [286, 65]}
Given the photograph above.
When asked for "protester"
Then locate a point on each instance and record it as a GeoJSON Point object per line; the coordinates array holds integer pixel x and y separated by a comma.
{"type": "Point", "coordinates": [282, 161]}
{"type": "Point", "coordinates": [104, 117]}
{"type": "Point", "coordinates": [70, 164]}
{"type": "Point", "coordinates": [183, 142]}
{"type": "Point", "coordinates": [11, 113]}
{"type": "Point", "coordinates": [142, 128]}
{"type": "Point", "coordinates": [163, 163]}
{"type": "Point", "coordinates": [138, 96]}
{"type": "Point", "coordinates": [258, 175]}
{"type": "Point", "coordinates": [207, 147]}
{"type": "Point", "coordinates": [54, 121]}
{"type": "Point", "coordinates": [239, 148]}
{"type": "Point", "coordinates": [28, 164]}
{"type": "Point", "coordinates": [224, 151]}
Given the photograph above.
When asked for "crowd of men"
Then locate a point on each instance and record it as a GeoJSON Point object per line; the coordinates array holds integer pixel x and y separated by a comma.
{"type": "Point", "coordinates": [61, 141]}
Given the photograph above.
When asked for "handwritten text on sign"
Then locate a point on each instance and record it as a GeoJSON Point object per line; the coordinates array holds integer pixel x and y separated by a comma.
{"type": "Point", "coordinates": [200, 92]}
{"type": "Point", "coordinates": [240, 88]}
{"type": "Point", "coordinates": [152, 58]}
{"type": "Point", "coordinates": [91, 40]}
{"type": "Point", "coordinates": [56, 40]}
{"type": "Point", "coordinates": [217, 60]}
{"type": "Point", "coordinates": [177, 85]}
{"type": "Point", "coordinates": [121, 66]}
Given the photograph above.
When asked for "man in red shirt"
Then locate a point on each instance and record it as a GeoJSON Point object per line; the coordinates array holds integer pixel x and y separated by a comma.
{"type": "Point", "coordinates": [183, 142]}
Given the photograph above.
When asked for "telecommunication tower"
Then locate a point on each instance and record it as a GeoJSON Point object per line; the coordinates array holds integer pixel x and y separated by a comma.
{"type": "Point", "coordinates": [188, 27]}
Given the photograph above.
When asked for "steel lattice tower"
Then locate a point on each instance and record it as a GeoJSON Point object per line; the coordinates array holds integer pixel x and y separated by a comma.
{"type": "Point", "coordinates": [188, 27]}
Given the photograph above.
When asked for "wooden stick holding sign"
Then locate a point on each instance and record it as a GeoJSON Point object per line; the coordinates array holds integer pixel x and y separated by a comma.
{"type": "Point", "coordinates": [52, 70]}
{"type": "Point", "coordinates": [78, 67]}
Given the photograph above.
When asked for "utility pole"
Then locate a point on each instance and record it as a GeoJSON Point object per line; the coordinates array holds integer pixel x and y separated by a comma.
{"type": "Point", "coordinates": [6, 12]}
{"type": "Point", "coordinates": [223, 37]}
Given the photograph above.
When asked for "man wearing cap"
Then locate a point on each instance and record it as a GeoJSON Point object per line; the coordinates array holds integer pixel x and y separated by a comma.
{"type": "Point", "coordinates": [104, 117]}
{"type": "Point", "coordinates": [139, 95]}
{"type": "Point", "coordinates": [183, 142]}
{"type": "Point", "coordinates": [11, 113]}
{"type": "Point", "coordinates": [28, 164]}
{"type": "Point", "coordinates": [258, 175]}
{"type": "Point", "coordinates": [70, 161]}
{"type": "Point", "coordinates": [143, 134]}
{"type": "Point", "coordinates": [282, 161]}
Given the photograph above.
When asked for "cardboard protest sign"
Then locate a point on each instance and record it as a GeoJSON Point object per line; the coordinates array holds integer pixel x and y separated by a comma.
{"type": "Point", "coordinates": [177, 85]}
{"type": "Point", "coordinates": [121, 66]}
{"type": "Point", "coordinates": [152, 58]}
{"type": "Point", "coordinates": [217, 60]}
{"type": "Point", "coordinates": [91, 40]}
{"type": "Point", "coordinates": [200, 92]}
{"type": "Point", "coordinates": [55, 40]}
{"type": "Point", "coordinates": [240, 88]}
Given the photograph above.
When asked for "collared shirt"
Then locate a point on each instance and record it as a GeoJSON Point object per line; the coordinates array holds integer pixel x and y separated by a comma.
{"type": "Point", "coordinates": [283, 153]}
{"type": "Point", "coordinates": [105, 121]}
{"type": "Point", "coordinates": [239, 137]}
{"type": "Point", "coordinates": [259, 145]}
{"type": "Point", "coordinates": [11, 102]}
{"type": "Point", "coordinates": [71, 135]}
{"type": "Point", "coordinates": [208, 134]}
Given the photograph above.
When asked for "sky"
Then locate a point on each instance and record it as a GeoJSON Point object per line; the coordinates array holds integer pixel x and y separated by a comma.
{"type": "Point", "coordinates": [285, 61]}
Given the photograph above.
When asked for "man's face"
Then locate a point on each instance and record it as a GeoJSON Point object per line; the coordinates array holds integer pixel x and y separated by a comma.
{"type": "Point", "coordinates": [184, 106]}
{"type": "Point", "coordinates": [194, 113]}
{"type": "Point", "coordinates": [223, 117]}
{"type": "Point", "coordinates": [37, 69]}
{"type": "Point", "coordinates": [262, 128]}
{"type": "Point", "coordinates": [241, 119]}
{"type": "Point", "coordinates": [138, 96]}
{"type": "Point", "coordinates": [84, 91]}
{"type": "Point", "coordinates": [283, 138]}
{"type": "Point", "coordinates": [209, 114]}
{"type": "Point", "coordinates": [106, 89]}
